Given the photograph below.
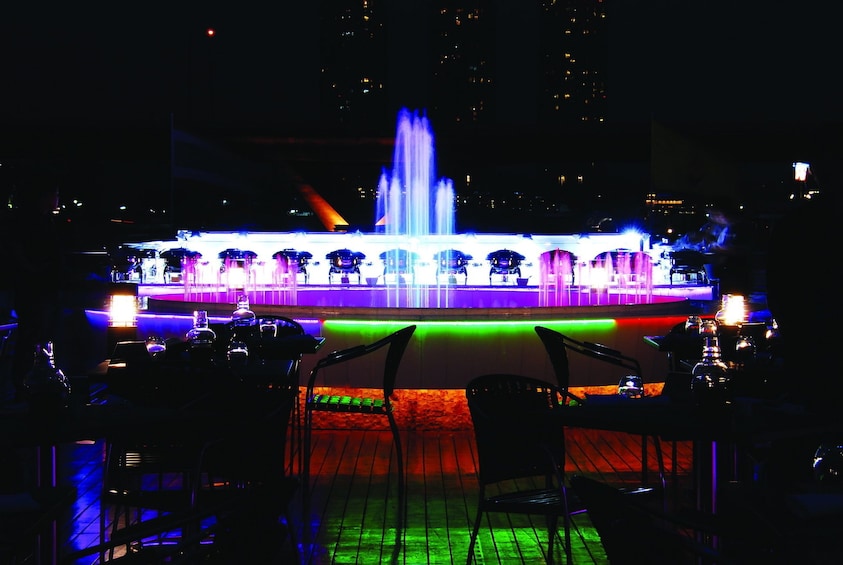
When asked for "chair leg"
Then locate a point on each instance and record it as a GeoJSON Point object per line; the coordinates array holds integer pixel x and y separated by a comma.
{"type": "Point", "coordinates": [552, 525]}
{"type": "Point", "coordinates": [402, 502]}
{"type": "Point", "coordinates": [567, 525]}
{"type": "Point", "coordinates": [475, 529]}
{"type": "Point", "coordinates": [657, 445]}
{"type": "Point", "coordinates": [305, 474]}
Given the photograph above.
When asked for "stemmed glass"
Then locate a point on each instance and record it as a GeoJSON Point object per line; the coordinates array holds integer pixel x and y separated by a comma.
{"type": "Point", "coordinates": [631, 386]}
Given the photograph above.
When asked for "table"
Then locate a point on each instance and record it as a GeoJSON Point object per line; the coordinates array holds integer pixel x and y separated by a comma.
{"type": "Point", "coordinates": [743, 422]}
{"type": "Point", "coordinates": [176, 380]}
{"type": "Point", "coordinates": [199, 397]}
{"type": "Point", "coordinates": [222, 415]}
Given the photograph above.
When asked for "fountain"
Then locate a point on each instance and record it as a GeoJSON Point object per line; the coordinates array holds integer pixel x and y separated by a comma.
{"type": "Point", "coordinates": [410, 202]}
{"type": "Point", "coordinates": [415, 267]}
{"type": "Point", "coordinates": [400, 265]}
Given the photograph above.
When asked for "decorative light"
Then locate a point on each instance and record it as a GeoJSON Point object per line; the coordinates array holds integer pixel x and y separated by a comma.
{"type": "Point", "coordinates": [123, 306]}
{"type": "Point", "coordinates": [237, 278]}
{"type": "Point", "coordinates": [800, 171]}
{"type": "Point", "coordinates": [122, 314]}
{"type": "Point", "coordinates": [732, 310]}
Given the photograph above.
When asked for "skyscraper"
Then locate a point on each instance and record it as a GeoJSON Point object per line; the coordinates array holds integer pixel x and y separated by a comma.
{"type": "Point", "coordinates": [466, 62]}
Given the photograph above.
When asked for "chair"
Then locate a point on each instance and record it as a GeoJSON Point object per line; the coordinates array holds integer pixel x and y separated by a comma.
{"type": "Point", "coordinates": [395, 344]}
{"type": "Point", "coordinates": [557, 345]}
{"type": "Point", "coordinates": [272, 338]}
{"type": "Point", "coordinates": [689, 262]}
{"type": "Point", "coordinates": [265, 337]}
{"type": "Point", "coordinates": [147, 476]}
{"type": "Point", "coordinates": [520, 439]}
{"type": "Point", "coordinates": [166, 497]}
{"type": "Point", "coordinates": [246, 465]}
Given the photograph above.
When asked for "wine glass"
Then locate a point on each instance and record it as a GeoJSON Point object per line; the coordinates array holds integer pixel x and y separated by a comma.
{"type": "Point", "coordinates": [631, 386]}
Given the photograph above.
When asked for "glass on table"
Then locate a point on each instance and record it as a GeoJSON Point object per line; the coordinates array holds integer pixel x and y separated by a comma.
{"type": "Point", "coordinates": [156, 346]}
{"type": "Point", "coordinates": [692, 324]}
{"type": "Point", "coordinates": [708, 328]}
{"type": "Point", "coordinates": [631, 386]}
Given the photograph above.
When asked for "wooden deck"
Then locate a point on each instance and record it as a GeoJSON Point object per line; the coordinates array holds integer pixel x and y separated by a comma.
{"type": "Point", "coordinates": [353, 512]}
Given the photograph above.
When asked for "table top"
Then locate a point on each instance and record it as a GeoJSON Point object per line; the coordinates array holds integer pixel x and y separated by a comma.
{"type": "Point", "coordinates": [209, 412]}
{"type": "Point", "coordinates": [740, 420]}
{"type": "Point", "coordinates": [179, 390]}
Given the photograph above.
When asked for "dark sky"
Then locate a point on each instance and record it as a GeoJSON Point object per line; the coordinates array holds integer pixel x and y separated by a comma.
{"type": "Point", "coordinates": [130, 60]}
{"type": "Point", "coordinates": [743, 60]}
{"type": "Point", "coordinates": [731, 60]}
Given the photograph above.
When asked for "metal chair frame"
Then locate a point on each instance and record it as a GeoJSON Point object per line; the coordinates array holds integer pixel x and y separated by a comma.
{"type": "Point", "coordinates": [396, 344]}
{"type": "Point", "coordinates": [520, 438]}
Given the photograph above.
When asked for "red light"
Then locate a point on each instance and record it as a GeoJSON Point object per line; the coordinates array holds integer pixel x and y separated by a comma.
{"type": "Point", "coordinates": [211, 32]}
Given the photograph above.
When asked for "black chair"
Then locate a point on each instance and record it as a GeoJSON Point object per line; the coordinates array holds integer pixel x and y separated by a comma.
{"type": "Point", "coordinates": [271, 338]}
{"type": "Point", "coordinates": [246, 465]}
{"type": "Point", "coordinates": [520, 438]}
{"type": "Point", "coordinates": [557, 346]}
{"type": "Point", "coordinates": [146, 477]}
{"type": "Point", "coordinates": [687, 263]}
{"type": "Point", "coordinates": [395, 345]}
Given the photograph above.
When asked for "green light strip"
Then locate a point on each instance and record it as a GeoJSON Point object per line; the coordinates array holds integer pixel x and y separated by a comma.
{"type": "Point", "coordinates": [464, 329]}
{"type": "Point", "coordinates": [463, 323]}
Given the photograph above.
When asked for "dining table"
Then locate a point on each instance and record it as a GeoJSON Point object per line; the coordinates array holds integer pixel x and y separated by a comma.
{"type": "Point", "coordinates": [754, 409]}
{"type": "Point", "coordinates": [139, 393]}
{"type": "Point", "coordinates": [721, 434]}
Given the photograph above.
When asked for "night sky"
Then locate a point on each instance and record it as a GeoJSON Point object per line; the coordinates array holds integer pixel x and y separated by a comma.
{"type": "Point", "coordinates": [724, 60]}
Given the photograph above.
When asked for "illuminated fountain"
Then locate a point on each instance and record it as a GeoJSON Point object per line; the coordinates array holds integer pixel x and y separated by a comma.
{"type": "Point", "coordinates": [401, 265]}
{"type": "Point", "coordinates": [417, 268]}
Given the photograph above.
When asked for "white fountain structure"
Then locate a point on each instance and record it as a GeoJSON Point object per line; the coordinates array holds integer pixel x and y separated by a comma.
{"type": "Point", "coordinates": [414, 215]}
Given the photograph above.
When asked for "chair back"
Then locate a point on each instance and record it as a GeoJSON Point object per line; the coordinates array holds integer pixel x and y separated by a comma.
{"type": "Point", "coordinates": [253, 449]}
{"type": "Point", "coordinates": [554, 345]}
{"type": "Point", "coordinates": [516, 426]}
{"type": "Point", "coordinates": [397, 343]}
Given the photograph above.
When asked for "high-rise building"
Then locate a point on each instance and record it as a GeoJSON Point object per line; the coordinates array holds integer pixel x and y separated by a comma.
{"type": "Point", "coordinates": [467, 62]}
{"type": "Point", "coordinates": [353, 61]}
{"type": "Point", "coordinates": [574, 50]}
